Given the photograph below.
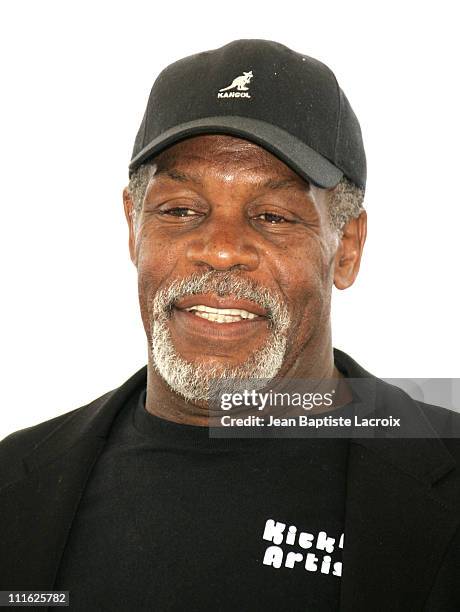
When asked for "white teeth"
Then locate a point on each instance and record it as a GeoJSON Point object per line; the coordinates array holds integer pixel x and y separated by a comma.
{"type": "Point", "coordinates": [221, 315]}
{"type": "Point", "coordinates": [217, 318]}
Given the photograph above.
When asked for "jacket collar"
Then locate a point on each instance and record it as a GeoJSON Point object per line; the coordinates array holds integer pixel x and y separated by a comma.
{"type": "Point", "coordinates": [89, 422]}
{"type": "Point", "coordinates": [422, 454]}
{"type": "Point", "coordinates": [425, 458]}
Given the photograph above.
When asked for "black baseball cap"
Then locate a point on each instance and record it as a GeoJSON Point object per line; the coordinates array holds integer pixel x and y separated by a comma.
{"type": "Point", "coordinates": [260, 90]}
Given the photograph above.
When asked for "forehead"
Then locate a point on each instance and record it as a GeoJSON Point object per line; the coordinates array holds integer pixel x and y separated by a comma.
{"type": "Point", "coordinates": [222, 152]}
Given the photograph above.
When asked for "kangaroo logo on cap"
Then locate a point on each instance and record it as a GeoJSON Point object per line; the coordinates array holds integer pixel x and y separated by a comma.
{"type": "Point", "coordinates": [239, 83]}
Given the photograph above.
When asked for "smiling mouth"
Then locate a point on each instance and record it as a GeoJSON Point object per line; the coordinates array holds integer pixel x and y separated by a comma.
{"type": "Point", "coordinates": [221, 315]}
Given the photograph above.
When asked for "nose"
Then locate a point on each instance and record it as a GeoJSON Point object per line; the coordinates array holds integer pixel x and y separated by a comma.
{"type": "Point", "coordinates": [223, 246]}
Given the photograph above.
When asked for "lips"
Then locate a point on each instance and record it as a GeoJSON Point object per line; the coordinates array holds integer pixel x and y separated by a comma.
{"type": "Point", "coordinates": [221, 310]}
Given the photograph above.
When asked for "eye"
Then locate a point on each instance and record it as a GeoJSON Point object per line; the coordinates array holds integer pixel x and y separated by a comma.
{"type": "Point", "coordinates": [272, 218]}
{"type": "Point", "coordinates": [179, 211]}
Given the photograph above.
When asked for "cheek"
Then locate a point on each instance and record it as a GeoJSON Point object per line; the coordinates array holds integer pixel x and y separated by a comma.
{"type": "Point", "coordinates": [307, 274]}
{"type": "Point", "coordinates": [157, 255]}
{"type": "Point", "coordinates": [156, 260]}
{"type": "Point", "coordinates": [306, 283]}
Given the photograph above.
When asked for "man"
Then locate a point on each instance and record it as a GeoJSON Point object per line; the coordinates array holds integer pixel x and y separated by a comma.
{"type": "Point", "coordinates": [244, 208]}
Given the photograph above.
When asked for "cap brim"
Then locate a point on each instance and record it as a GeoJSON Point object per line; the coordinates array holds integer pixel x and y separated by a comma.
{"type": "Point", "coordinates": [300, 157]}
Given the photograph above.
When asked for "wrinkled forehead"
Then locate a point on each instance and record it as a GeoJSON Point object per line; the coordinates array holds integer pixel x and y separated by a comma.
{"type": "Point", "coordinates": [228, 154]}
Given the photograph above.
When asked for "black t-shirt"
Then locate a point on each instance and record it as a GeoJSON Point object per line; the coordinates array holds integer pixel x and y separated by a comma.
{"type": "Point", "coordinates": [172, 519]}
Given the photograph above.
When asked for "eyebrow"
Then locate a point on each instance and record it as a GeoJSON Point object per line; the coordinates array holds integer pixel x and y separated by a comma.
{"type": "Point", "coordinates": [184, 177]}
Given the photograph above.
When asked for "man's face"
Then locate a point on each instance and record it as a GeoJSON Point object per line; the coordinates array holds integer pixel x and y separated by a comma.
{"type": "Point", "coordinates": [235, 257]}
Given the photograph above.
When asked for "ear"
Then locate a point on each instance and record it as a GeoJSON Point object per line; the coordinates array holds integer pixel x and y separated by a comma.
{"type": "Point", "coordinates": [130, 216]}
{"type": "Point", "coordinates": [348, 256]}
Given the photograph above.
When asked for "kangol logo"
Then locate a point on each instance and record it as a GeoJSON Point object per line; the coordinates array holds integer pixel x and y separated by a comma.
{"type": "Point", "coordinates": [239, 83]}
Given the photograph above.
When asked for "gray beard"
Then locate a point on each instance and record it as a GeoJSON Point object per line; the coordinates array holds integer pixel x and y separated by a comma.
{"type": "Point", "coordinates": [192, 381]}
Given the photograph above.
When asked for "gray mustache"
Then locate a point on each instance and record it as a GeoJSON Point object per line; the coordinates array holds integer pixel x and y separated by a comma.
{"type": "Point", "coordinates": [222, 284]}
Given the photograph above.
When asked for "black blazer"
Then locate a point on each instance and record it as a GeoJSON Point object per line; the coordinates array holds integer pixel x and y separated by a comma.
{"type": "Point", "coordinates": [402, 521]}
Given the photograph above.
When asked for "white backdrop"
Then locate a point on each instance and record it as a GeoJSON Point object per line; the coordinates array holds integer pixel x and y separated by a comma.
{"type": "Point", "coordinates": [75, 81]}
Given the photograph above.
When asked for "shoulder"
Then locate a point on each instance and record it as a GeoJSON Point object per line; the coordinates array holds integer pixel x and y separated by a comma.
{"type": "Point", "coordinates": [21, 443]}
{"type": "Point", "coordinates": [30, 436]}
{"type": "Point", "coordinates": [446, 424]}
{"type": "Point", "coordinates": [56, 436]}
{"type": "Point", "coordinates": [79, 417]}
{"type": "Point", "coordinates": [439, 417]}
{"type": "Point", "coordinates": [434, 420]}
{"type": "Point", "coordinates": [422, 419]}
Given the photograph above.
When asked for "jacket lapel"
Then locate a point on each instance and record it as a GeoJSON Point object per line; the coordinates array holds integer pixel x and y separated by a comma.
{"type": "Point", "coordinates": [37, 510]}
{"type": "Point", "coordinates": [397, 527]}
{"type": "Point", "coordinates": [398, 522]}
